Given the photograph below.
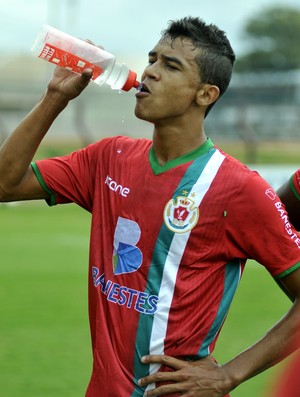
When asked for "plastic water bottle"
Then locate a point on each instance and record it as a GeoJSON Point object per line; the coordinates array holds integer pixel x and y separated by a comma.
{"type": "Point", "coordinates": [76, 55]}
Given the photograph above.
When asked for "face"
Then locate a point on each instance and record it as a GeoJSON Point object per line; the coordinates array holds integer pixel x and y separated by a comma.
{"type": "Point", "coordinates": [170, 82]}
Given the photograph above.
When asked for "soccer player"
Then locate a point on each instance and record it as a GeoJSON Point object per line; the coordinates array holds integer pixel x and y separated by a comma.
{"type": "Point", "coordinates": [288, 384]}
{"type": "Point", "coordinates": [289, 194]}
{"type": "Point", "coordinates": [174, 220]}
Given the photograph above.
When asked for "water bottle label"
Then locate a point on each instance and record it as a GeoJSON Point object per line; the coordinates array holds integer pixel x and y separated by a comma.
{"type": "Point", "coordinates": [69, 61]}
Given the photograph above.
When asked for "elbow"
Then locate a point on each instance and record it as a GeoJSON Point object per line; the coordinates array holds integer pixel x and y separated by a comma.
{"type": "Point", "coordinates": [3, 198]}
{"type": "Point", "coordinates": [2, 195]}
{"type": "Point", "coordinates": [5, 195]}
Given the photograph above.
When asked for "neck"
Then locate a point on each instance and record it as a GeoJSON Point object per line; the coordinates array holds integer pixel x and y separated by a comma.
{"type": "Point", "coordinates": [170, 143]}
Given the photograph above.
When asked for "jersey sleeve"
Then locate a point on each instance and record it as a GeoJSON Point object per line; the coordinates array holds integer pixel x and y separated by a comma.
{"type": "Point", "coordinates": [258, 227]}
{"type": "Point", "coordinates": [71, 178]}
{"type": "Point", "coordinates": [295, 183]}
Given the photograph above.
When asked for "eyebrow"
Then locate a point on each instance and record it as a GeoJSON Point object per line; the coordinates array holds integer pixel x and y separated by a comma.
{"type": "Point", "coordinates": [167, 58]}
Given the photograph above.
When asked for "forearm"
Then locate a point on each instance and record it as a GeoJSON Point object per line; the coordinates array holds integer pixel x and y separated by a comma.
{"type": "Point", "coordinates": [207, 379]}
{"type": "Point", "coordinates": [20, 147]}
{"type": "Point", "coordinates": [278, 343]}
{"type": "Point", "coordinates": [18, 150]}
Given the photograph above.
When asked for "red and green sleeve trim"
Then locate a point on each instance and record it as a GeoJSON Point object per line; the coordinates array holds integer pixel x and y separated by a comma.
{"type": "Point", "coordinates": [288, 271]}
{"type": "Point", "coordinates": [295, 184]}
{"type": "Point", "coordinates": [52, 197]}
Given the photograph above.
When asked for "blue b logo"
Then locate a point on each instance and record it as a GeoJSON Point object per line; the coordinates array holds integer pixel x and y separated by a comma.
{"type": "Point", "coordinates": [127, 257]}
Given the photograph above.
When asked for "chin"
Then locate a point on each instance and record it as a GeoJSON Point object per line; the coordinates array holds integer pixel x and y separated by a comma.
{"type": "Point", "coordinates": [141, 115]}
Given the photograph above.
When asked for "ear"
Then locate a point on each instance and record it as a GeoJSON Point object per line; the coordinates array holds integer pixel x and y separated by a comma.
{"type": "Point", "coordinates": [207, 94]}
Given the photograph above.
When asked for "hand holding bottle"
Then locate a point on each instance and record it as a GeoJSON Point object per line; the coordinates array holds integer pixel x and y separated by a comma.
{"type": "Point", "coordinates": [69, 85]}
{"type": "Point", "coordinates": [76, 55]}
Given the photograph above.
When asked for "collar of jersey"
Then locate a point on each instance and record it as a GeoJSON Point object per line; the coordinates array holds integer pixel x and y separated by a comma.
{"type": "Point", "coordinates": [199, 151]}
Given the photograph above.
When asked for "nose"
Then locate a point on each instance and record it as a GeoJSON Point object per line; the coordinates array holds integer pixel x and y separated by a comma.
{"type": "Point", "coordinates": [151, 72]}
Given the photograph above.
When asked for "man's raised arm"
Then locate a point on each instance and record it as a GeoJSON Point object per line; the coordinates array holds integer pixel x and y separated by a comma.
{"type": "Point", "coordinates": [17, 180]}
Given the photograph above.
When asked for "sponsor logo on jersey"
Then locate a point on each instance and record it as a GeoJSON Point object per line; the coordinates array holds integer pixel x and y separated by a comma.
{"type": "Point", "coordinates": [119, 294]}
{"type": "Point", "coordinates": [181, 215]}
{"type": "Point", "coordinates": [127, 257]}
{"type": "Point", "coordinates": [288, 227]}
{"type": "Point", "coordinates": [284, 216]}
{"type": "Point", "coordinates": [116, 187]}
{"type": "Point", "coordinates": [271, 193]}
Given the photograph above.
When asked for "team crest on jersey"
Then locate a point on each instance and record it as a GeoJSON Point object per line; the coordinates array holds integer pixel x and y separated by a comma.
{"type": "Point", "coordinates": [181, 215]}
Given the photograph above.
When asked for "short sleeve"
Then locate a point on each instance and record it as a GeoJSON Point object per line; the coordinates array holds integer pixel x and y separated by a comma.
{"type": "Point", "coordinates": [69, 179]}
{"type": "Point", "coordinates": [258, 227]}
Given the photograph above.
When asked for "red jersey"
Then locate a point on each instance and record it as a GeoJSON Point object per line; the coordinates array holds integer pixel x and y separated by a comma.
{"type": "Point", "coordinates": [295, 183]}
{"type": "Point", "coordinates": [168, 247]}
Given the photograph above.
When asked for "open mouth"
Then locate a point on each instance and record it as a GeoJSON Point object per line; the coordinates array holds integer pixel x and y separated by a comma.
{"type": "Point", "coordinates": [143, 88]}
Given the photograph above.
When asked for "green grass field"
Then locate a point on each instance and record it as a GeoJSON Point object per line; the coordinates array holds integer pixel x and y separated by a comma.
{"type": "Point", "coordinates": [44, 334]}
{"type": "Point", "coordinates": [45, 342]}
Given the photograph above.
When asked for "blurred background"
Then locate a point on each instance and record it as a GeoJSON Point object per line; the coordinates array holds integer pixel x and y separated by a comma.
{"type": "Point", "coordinates": [44, 341]}
{"type": "Point", "coordinates": [259, 109]}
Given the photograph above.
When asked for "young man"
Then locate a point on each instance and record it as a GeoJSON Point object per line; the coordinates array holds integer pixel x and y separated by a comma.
{"type": "Point", "coordinates": [288, 384]}
{"type": "Point", "coordinates": [289, 194]}
{"type": "Point", "coordinates": [173, 222]}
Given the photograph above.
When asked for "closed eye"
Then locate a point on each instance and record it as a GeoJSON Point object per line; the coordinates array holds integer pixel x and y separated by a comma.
{"type": "Point", "coordinates": [167, 65]}
{"type": "Point", "coordinates": [172, 67]}
{"type": "Point", "coordinates": [151, 62]}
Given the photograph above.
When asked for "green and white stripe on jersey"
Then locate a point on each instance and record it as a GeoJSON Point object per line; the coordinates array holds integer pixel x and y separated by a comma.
{"type": "Point", "coordinates": [166, 259]}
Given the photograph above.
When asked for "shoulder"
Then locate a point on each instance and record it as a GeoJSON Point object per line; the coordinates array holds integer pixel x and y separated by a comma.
{"type": "Point", "coordinates": [239, 174]}
{"type": "Point", "coordinates": [242, 188]}
{"type": "Point", "coordinates": [121, 142]}
{"type": "Point", "coordinates": [107, 147]}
